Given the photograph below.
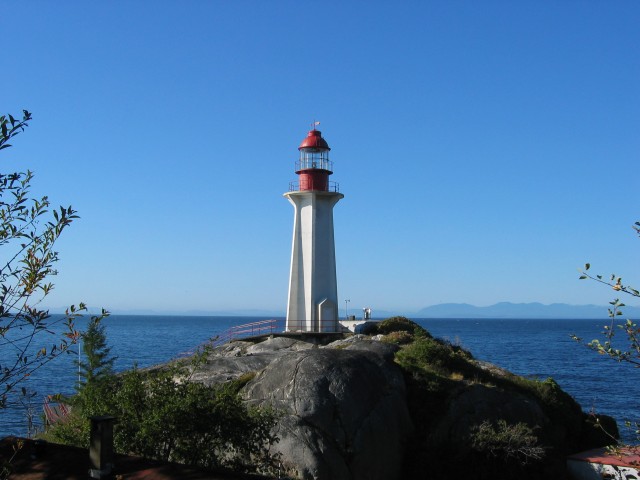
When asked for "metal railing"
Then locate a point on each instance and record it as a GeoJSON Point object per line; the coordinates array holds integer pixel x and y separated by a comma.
{"type": "Point", "coordinates": [262, 327]}
{"type": "Point", "coordinates": [331, 187]}
{"type": "Point", "coordinates": [54, 411]}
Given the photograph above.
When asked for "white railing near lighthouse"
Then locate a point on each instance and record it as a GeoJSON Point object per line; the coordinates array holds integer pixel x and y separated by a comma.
{"type": "Point", "coordinates": [263, 327]}
{"type": "Point", "coordinates": [253, 329]}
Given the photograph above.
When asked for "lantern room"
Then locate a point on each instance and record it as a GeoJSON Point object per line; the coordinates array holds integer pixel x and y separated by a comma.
{"type": "Point", "coordinates": [313, 166]}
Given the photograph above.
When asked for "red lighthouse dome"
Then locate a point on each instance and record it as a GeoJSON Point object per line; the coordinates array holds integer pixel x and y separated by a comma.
{"type": "Point", "coordinates": [314, 141]}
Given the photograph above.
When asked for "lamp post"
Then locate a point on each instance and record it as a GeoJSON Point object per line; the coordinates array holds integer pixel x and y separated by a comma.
{"type": "Point", "coordinates": [346, 311]}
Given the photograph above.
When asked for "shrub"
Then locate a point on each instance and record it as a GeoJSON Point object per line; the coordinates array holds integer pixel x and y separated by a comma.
{"type": "Point", "coordinates": [507, 442]}
{"type": "Point", "coordinates": [162, 415]}
{"type": "Point", "coordinates": [242, 380]}
{"type": "Point", "coordinates": [401, 324]}
{"type": "Point", "coordinates": [399, 338]}
{"type": "Point", "coordinates": [430, 354]}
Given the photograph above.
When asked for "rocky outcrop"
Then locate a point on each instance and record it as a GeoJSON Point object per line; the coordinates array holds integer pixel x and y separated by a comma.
{"type": "Point", "coordinates": [342, 407]}
{"type": "Point", "coordinates": [346, 413]}
{"type": "Point", "coordinates": [232, 360]}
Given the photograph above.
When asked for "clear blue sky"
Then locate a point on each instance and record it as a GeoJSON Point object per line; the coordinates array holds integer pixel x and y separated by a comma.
{"type": "Point", "coordinates": [486, 150]}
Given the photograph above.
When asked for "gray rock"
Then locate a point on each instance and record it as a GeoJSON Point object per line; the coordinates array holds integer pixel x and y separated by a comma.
{"type": "Point", "coordinates": [344, 414]}
{"type": "Point", "coordinates": [344, 342]}
{"type": "Point", "coordinates": [231, 349]}
{"type": "Point", "coordinates": [276, 344]}
{"type": "Point", "coordinates": [222, 369]}
{"type": "Point", "coordinates": [365, 343]}
{"type": "Point", "coordinates": [385, 350]}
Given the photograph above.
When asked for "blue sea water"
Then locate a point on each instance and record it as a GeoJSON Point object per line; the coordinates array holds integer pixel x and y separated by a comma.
{"type": "Point", "coordinates": [533, 348]}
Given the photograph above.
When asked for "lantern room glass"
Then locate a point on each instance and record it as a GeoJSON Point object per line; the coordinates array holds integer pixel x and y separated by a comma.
{"type": "Point", "coordinates": [314, 158]}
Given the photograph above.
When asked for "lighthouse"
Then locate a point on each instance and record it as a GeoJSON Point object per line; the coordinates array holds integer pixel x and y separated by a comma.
{"type": "Point", "coordinates": [313, 289]}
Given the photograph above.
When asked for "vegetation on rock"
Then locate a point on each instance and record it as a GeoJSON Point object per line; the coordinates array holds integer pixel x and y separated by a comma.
{"type": "Point", "coordinates": [398, 324]}
{"type": "Point", "coordinates": [503, 450]}
{"type": "Point", "coordinates": [401, 337]}
{"type": "Point", "coordinates": [163, 415]}
{"type": "Point", "coordinates": [498, 445]}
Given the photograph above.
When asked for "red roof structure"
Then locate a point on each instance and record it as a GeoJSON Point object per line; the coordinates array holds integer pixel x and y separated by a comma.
{"type": "Point", "coordinates": [314, 141]}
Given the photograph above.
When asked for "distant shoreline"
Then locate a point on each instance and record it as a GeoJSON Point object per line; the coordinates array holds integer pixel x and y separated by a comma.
{"type": "Point", "coordinates": [502, 310]}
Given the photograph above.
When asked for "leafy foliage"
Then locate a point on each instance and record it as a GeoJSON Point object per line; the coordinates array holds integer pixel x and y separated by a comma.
{"type": "Point", "coordinates": [629, 351]}
{"type": "Point", "coordinates": [400, 324]}
{"type": "Point", "coordinates": [28, 232]}
{"type": "Point", "coordinates": [163, 415]}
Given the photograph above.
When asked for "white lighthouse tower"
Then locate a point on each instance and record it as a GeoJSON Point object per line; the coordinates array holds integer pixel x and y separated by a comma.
{"type": "Point", "coordinates": [313, 289]}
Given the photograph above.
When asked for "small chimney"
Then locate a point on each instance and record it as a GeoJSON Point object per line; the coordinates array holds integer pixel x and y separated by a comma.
{"type": "Point", "coordinates": [101, 446]}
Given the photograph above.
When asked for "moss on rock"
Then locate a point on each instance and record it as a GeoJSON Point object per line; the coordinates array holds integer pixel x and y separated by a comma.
{"type": "Point", "coordinates": [459, 404]}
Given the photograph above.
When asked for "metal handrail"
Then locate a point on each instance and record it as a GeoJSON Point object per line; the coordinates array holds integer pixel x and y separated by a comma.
{"type": "Point", "coordinates": [246, 330]}
{"type": "Point", "coordinates": [239, 331]}
{"type": "Point", "coordinates": [331, 187]}
{"type": "Point", "coordinates": [55, 413]}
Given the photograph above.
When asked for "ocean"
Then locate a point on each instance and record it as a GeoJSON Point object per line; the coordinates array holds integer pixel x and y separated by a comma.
{"type": "Point", "coordinates": [532, 348]}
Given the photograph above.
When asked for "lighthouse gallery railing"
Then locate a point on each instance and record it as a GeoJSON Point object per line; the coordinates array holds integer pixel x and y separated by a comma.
{"type": "Point", "coordinates": [331, 187]}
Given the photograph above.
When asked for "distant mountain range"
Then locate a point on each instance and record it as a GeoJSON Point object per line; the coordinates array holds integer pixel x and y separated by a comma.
{"type": "Point", "coordinates": [443, 310]}
{"type": "Point", "coordinates": [521, 310]}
